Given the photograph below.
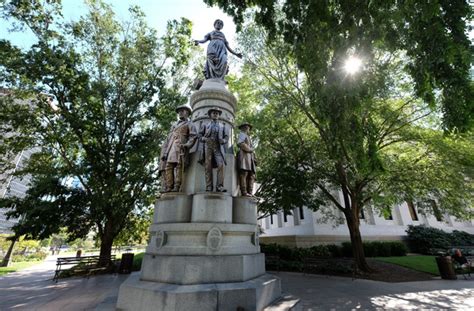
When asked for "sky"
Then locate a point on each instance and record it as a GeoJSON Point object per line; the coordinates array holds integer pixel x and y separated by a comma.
{"type": "Point", "coordinates": [158, 12]}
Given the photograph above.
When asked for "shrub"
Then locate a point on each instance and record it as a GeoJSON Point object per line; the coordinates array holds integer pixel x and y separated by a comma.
{"type": "Point", "coordinates": [334, 250]}
{"type": "Point", "coordinates": [461, 238]}
{"type": "Point", "coordinates": [421, 239]}
{"type": "Point", "coordinates": [37, 256]}
{"type": "Point", "coordinates": [375, 249]}
{"type": "Point", "coordinates": [320, 251]}
{"type": "Point", "coordinates": [398, 248]}
{"type": "Point", "coordinates": [270, 249]}
{"type": "Point", "coordinates": [346, 249]}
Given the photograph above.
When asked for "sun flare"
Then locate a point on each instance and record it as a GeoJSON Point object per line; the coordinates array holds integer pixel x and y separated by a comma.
{"type": "Point", "coordinates": [352, 65]}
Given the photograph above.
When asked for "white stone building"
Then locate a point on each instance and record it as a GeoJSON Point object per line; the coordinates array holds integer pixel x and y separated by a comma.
{"type": "Point", "coordinates": [11, 185]}
{"type": "Point", "coordinates": [305, 228]}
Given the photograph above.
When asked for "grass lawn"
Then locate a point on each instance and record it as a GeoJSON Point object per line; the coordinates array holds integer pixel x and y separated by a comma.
{"type": "Point", "coordinates": [420, 263]}
{"type": "Point", "coordinates": [16, 266]}
{"type": "Point", "coordinates": [137, 261]}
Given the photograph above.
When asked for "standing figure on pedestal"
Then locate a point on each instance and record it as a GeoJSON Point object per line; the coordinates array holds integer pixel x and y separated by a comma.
{"type": "Point", "coordinates": [246, 162]}
{"type": "Point", "coordinates": [216, 66]}
{"type": "Point", "coordinates": [214, 137]}
{"type": "Point", "coordinates": [175, 151]}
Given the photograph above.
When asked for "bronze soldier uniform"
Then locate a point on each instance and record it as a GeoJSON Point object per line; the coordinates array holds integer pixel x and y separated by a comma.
{"type": "Point", "coordinates": [181, 137]}
{"type": "Point", "coordinates": [214, 137]}
{"type": "Point", "coordinates": [246, 162]}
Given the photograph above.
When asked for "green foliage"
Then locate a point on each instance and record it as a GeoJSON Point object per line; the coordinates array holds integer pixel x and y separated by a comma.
{"type": "Point", "coordinates": [322, 251]}
{"type": "Point", "coordinates": [36, 256]}
{"type": "Point", "coordinates": [378, 249]}
{"type": "Point", "coordinates": [112, 87]}
{"type": "Point", "coordinates": [421, 239]}
{"type": "Point", "coordinates": [330, 140]}
{"type": "Point", "coordinates": [137, 261]}
{"type": "Point", "coordinates": [425, 240]}
{"type": "Point", "coordinates": [321, 34]}
{"type": "Point", "coordinates": [136, 232]}
{"type": "Point", "coordinates": [461, 238]}
{"type": "Point", "coordinates": [371, 249]}
{"type": "Point", "coordinates": [37, 15]}
{"type": "Point", "coordinates": [16, 266]}
{"type": "Point", "coordinates": [82, 244]}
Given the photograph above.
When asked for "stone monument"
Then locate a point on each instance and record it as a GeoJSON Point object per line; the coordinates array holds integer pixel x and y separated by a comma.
{"type": "Point", "coordinates": [203, 252]}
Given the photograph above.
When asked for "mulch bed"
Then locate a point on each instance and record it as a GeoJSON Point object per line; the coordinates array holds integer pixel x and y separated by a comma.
{"type": "Point", "coordinates": [382, 271]}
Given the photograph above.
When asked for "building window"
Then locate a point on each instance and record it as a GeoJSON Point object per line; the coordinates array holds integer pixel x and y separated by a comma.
{"type": "Point", "coordinates": [436, 212]}
{"type": "Point", "coordinates": [387, 214]}
{"type": "Point", "coordinates": [285, 219]}
{"type": "Point", "coordinates": [361, 214]}
{"type": "Point", "coordinates": [301, 212]}
{"type": "Point", "coordinates": [271, 219]}
{"type": "Point", "coordinates": [412, 210]}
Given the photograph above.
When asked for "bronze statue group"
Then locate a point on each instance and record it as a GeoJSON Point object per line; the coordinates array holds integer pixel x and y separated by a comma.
{"type": "Point", "coordinates": [211, 139]}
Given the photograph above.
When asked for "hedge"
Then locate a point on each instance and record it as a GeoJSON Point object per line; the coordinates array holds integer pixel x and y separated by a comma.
{"type": "Point", "coordinates": [371, 249]}
{"type": "Point", "coordinates": [423, 239]}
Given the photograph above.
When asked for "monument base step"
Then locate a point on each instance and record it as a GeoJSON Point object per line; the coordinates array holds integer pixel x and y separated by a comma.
{"type": "Point", "coordinates": [251, 295]}
{"type": "Point", "coordinates": [285, 303]}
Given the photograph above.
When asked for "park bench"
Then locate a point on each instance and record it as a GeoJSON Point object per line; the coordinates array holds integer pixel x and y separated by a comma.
{"type": "Point", "coordinates": [467, 251]}
{"type": "Point", "coordinates": [458, 269]}
{"type": "Point", "coordinates": [86, 264]}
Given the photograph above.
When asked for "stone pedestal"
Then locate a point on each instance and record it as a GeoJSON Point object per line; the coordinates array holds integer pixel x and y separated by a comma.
{"type": "Point", "coordinates": [173, 207]}
{"type": "Point", "coordinates": [245, 210]}
{"type": "Point", "coordinates": [212, 207]}
{"type": "Point", "coordinates": [255, 294]}
{"type": "Point", "coordinates": [203, 252]}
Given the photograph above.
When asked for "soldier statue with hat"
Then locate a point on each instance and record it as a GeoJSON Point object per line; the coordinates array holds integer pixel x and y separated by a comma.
{"type": "Point", "coordinates": [175, 150]}
{"type": "Point", "coordinates": [214, 138]}
{"type": "Point", "coordinates": [246, 162]}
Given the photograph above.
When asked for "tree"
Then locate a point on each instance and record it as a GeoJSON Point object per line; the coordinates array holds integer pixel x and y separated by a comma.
{"type": "Point", "coordinates": [369, 136]}
{"type": "Point", "coordinates": [103, 95]}
{"type": "Point", "coordinates": [322, 34]}
{"type": "Point", "coordinates": [137, 230]}
{"type": "Point", "coordinates": [12, 240]}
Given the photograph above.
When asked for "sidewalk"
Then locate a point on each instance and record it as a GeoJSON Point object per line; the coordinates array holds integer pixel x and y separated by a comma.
{"type": "Point", "coordinates": [32, 289]}
{"type": "Point", "coordinates": [318, 292]}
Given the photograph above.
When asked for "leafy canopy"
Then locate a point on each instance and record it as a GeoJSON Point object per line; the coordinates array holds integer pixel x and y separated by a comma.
{"type": "Point", "coordinates": [94, 99]}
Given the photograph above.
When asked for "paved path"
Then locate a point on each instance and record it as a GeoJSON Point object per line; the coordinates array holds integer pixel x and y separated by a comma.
{"type": "Point", "coordinates": [319, 292]}
{"type": "Point", "coordinates": [32, 289]}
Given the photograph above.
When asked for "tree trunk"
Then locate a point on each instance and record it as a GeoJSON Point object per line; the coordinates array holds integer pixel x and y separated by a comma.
{"type": "Point", "coordinates": [356, 242]}
{"type": "Point", "coordinates": [106, 241]}
{"type": "Point", "coordinates": [8, 257]}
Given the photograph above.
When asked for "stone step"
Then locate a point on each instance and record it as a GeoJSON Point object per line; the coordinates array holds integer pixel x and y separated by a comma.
{"type": "Point", "coordinates": [285, 303]}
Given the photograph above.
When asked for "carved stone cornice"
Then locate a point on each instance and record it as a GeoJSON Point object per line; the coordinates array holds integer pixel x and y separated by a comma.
{"type": "Point", "coordinates": [214, 94]}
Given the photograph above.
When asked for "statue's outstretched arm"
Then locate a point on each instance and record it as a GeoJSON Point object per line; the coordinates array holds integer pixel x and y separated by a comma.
{"type": "Point", "coordinates": [206, 38]}
{"type": "Point", "coordinates": [239, 55]}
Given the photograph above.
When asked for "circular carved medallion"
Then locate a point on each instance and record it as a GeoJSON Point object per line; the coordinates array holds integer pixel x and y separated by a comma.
{"type": "Point", "coordinates": [160, 239]}
{"type": "Point", "coordinates": [214, 239]}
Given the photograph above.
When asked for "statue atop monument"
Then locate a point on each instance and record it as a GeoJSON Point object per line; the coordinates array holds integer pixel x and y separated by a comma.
{"type": "Point", "coordinates": [216, 66]}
